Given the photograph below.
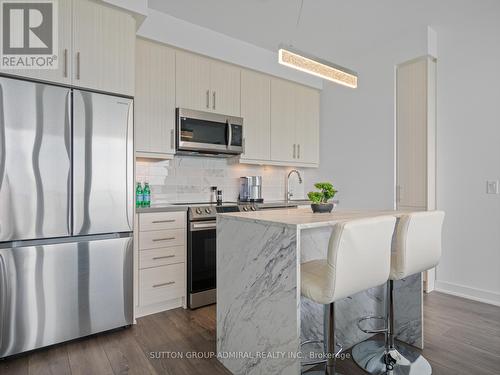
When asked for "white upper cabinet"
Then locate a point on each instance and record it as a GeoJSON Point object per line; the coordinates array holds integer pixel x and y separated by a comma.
{"type": "Point", "coordinates": [192, 81]}
{"type": "Point", "coordinates": [256, 113]}
{"type": "Point", "coordinates": [63, 72]}
{"type": "Point", "coordinates": [103, 48]}
{"type": "Point", "coordinates": [95, 48]}
{"type": "Point", "coordinates": [283, 146]}
{"type": "Point", "coordinates": [207, 85]}
{"type": "Point", "coordinates": [280, 117]}
{"type": "Point", "coordinates": [294, 123]}
{"type": "Point", "coordinates": [307, 124]}
{"type": "Point", "coordinates": [154, 105]}
{"type": "Point", "coordinates": [225, 84]}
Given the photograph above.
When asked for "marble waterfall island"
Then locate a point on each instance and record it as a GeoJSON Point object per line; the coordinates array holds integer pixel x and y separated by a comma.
{"type": "Point", "coordinates": [261, 317]}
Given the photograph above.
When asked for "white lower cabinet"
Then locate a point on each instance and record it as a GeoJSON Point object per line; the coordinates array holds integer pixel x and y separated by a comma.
{"type": "Point", "coordinates": [161, 257]}
{"type": "Point", "coordinates": [160, 262]}
{"type": "Point", "coordinates": [161, 284]}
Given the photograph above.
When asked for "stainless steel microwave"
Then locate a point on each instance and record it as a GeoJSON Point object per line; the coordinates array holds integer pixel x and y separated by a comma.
{"type": "Point", "coordinates": [200, 132]}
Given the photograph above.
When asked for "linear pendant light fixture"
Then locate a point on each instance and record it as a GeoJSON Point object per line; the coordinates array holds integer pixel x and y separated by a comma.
{"type": "Point", "coordinates": [306, 63]}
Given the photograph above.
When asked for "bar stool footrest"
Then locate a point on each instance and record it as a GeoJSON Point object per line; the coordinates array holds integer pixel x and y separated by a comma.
{"type": "Point", "coordinates": [317, 362]}
{"type": "Point", "coordinates": [371, 331]}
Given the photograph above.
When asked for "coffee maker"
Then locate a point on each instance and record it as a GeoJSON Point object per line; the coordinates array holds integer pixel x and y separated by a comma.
{"type": "Point", "coordinates": [251, 189]}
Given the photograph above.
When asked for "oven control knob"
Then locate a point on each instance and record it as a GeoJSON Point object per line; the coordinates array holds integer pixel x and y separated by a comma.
{"type": "Point", "coordinates": [208, 210]}
{"type": "Point", "coordinates": [198, 211]}
{"type": "Point", "coordinates": [253, 208]}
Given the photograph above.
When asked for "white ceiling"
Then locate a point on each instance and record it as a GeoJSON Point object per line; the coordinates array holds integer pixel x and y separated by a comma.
{"type": "Point", "coordinates": [358, 34]}
{"type": "Point", "coordinates": [334, 28]}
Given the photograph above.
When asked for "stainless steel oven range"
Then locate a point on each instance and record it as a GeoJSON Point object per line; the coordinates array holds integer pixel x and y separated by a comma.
{"type": "Point", "coordinates": [202, 249]}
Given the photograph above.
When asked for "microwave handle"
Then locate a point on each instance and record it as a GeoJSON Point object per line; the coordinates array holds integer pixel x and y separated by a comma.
{"type": "Point", "coordinates": [229, 134]}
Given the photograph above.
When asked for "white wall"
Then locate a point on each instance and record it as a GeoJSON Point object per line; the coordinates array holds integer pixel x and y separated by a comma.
{"type": "Point", "coordinates": [469, 154]}
{"type": "Point", "coordinates": [357, 127]}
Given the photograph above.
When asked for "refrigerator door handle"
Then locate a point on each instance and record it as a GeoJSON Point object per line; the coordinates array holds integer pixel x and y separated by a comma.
{"type": "Point", "coordinates": [130, 165]}
{"type": "Point", "coordinates": [4, 289]}
{"type": "Point", "coordinates": [3, 152]}
{"type": "Point", "coordinates": [67, 140]}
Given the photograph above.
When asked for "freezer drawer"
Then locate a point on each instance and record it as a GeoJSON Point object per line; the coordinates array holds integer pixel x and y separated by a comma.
{"type": "Point", "coordinates": [57, 292]}
{"type": "Point", "coordinates": [102, 163]}
{"type": "Point", "coordinates": [35, 149]}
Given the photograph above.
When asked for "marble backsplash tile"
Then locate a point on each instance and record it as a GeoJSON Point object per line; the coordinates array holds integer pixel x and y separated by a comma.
{"type": "Point", "coordinates": [188, 179]}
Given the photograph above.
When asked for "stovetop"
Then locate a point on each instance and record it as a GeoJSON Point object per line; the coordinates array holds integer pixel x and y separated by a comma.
{"type": "Point", "coordinates": [195, 204]}
{"type": "Point", "coordinates": [208, 211]}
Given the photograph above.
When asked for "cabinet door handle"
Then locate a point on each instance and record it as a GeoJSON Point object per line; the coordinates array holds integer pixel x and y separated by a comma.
{"type": "Point", "coordinates": [294, 152]}
{"type": "Point", "coordinates": [78, 65]}
{"type": "Point", "coordinates": [164, 257]}
{"type": "Point", "coordinates": [172, 139]}
{"type": "Point", "coordinates": [163, 284]}
{"type": "Point", "coordinates": [163, 239]}
{"type": "Point", "coordinates": [163, 221]}
{"type": "Point", "coordinates": [213, 104]}
{"type": "Point", "coordinates": [298, 151]}
{"type": "Point", "coordinates": [65, 72]}
{"type": "Point", "coordinates": [208, 98]}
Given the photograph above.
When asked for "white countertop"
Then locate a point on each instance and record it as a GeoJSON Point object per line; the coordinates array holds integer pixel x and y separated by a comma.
{"type": "Point", "coordinates": [304, 218]}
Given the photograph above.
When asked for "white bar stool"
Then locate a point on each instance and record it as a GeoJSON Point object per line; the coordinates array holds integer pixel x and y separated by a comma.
{"type": "Point", "coordinates": [417, 248]}
{"type": "Point", "coordinates": [359, 254]}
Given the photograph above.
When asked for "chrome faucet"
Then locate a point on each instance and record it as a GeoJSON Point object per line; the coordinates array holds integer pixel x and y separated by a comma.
{"type": "Point", "coordinates": [288, 193]}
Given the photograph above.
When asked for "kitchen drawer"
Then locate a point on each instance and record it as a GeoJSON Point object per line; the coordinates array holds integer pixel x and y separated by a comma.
{"type": "Point", "coordinates": [162, 220]}
{"type": "Point", "coordinates": [163, 283]}
{"type": "Point", "coordinates": [161, 257]}
{"type": "Point", "coordinates": [162, 238]}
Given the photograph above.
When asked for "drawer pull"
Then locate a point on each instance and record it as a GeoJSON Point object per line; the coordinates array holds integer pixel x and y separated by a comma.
{"type": "Point", "coordinates": [163, 284]}
{"type": "Point", "coordinates": [164, 239]}
{"type": "Point", "coordinates": [164, 221]}
{"type": "Point", "coordinates": [164, 257]}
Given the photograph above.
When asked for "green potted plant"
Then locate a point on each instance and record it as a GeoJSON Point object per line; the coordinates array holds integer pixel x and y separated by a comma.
{"type": "Point", "coordinates": [319, 199]}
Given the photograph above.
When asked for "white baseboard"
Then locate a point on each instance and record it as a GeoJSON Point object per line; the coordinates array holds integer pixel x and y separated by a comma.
{"type": "Point", "coordinates": [463, 291]}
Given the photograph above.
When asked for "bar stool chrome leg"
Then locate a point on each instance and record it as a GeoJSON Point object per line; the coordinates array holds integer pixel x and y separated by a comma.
{"type": "Point", "coordinates": [379, 357]}
{"type": "Point", "coordinates": [331, 344]}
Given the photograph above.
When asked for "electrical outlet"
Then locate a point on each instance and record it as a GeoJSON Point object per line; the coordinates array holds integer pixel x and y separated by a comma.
{"type": "Point", "coordinates": [492, 187]}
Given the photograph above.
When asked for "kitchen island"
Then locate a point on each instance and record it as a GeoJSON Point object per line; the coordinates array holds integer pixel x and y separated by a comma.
{"type": "Point", "coordinates": [261, 317]}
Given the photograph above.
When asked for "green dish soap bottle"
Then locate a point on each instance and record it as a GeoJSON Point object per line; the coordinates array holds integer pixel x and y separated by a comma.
{"type": "Point", "coordinates": [138, 195]}
{"type": "Point", "coordinates": [146, 193]}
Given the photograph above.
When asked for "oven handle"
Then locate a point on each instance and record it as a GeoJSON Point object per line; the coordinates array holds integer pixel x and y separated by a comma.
{"type": "Point", "coordinates": [207, 225]}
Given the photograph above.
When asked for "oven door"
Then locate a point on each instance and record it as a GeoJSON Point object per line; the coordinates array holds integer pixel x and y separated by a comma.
{"type": "Point", "coordinates": [201, 263]}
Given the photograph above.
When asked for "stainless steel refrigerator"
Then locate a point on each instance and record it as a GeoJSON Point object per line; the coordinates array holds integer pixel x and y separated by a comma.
{"type": "Point", "coordinates": [66, 214]}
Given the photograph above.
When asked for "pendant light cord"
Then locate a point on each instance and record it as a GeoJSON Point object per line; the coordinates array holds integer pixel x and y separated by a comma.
{"type": "Point", "coordinates": [299, 15]}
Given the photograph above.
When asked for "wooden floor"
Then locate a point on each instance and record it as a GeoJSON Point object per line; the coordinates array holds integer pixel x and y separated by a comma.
{"type": "Point", "coordinates": [461, 338]}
